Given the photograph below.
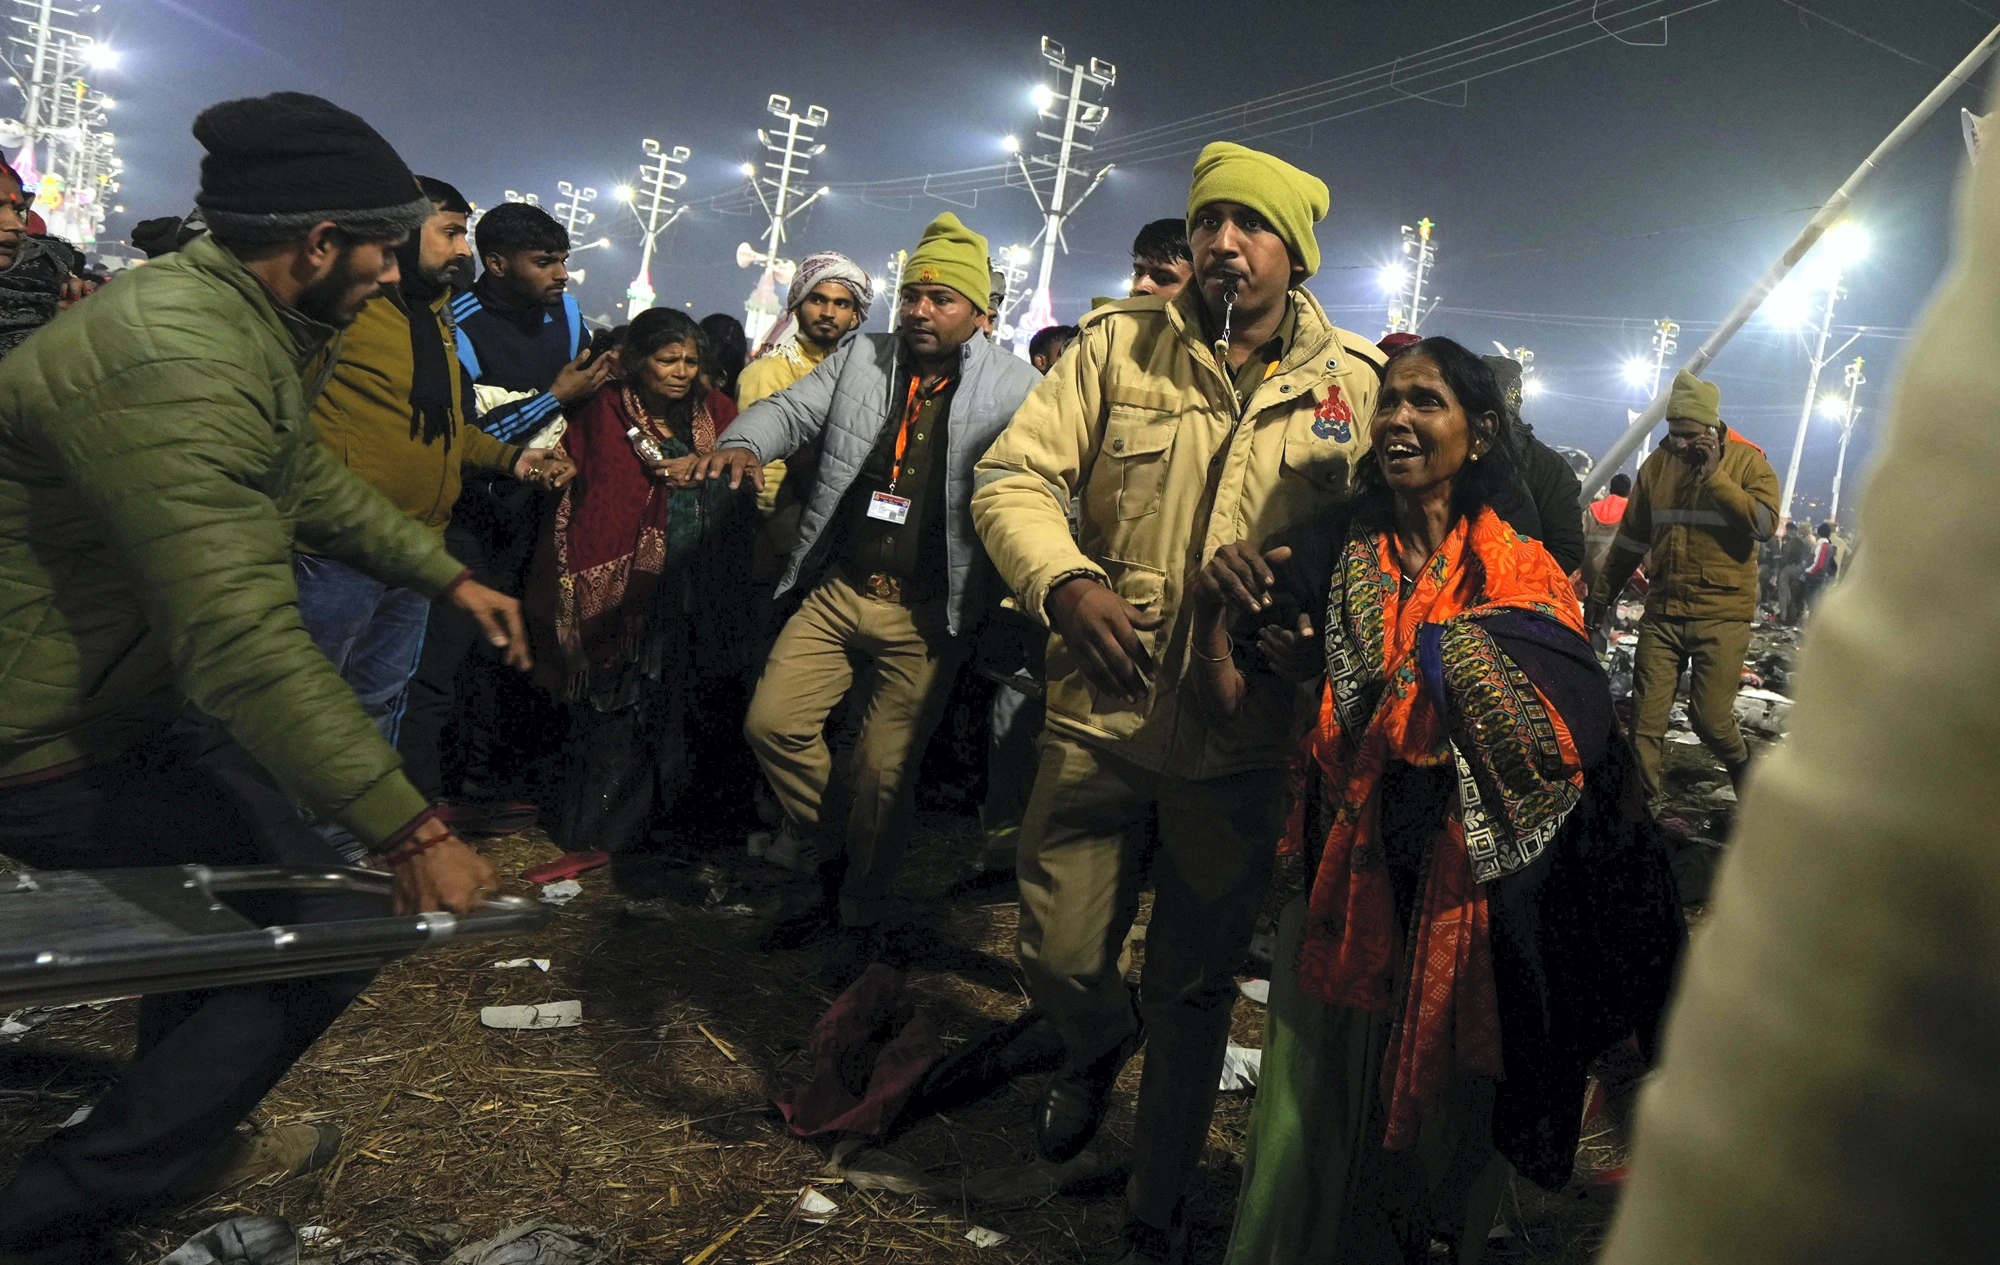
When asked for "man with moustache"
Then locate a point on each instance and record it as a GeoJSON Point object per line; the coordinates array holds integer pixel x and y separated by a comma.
{"type": "Point", "coordinates": [1232, 411]}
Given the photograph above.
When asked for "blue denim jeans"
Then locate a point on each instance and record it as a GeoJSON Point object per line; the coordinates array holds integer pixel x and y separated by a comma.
{"type": "Point", "coordinates": [373, 634]}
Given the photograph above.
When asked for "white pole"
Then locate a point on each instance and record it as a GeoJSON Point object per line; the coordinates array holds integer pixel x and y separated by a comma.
{"type": "Point", "coordinates": [36, 84]}
{"type": "Point", "coordinates": [1855, 379]}
{"type": "Point", "coordinates": [1828, 215]}
{"type": "Point", "coordinates": [1812, 397]}
{"type": "Point", "coordinates": [776, 236]}
{"type": "Point", "coordinates": [1057, 211]}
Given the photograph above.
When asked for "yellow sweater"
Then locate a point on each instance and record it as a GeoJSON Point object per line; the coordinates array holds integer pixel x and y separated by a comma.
{"type": "Point", "coordinates": [763, 377]}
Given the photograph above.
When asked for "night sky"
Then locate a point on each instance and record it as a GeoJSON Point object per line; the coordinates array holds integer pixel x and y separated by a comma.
{"type": "Point", "coordinates": [1577, 198]}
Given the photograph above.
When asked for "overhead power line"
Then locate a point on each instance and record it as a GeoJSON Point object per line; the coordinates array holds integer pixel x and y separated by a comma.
{"type": "Point", "coordinates": [1440, 75]}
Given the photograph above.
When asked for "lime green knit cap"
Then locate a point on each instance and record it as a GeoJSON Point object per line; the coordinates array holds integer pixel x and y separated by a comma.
{"type": "Point", "coordinates": [1695, 400]}
{"type": "Point", "coordinates": [1291, 200]}
{"type": "Point", "coordinates": [950, 254]}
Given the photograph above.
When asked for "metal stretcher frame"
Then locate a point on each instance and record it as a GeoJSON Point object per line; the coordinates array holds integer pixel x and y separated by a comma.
{"type": "Point", "coordinates": [81, 935]}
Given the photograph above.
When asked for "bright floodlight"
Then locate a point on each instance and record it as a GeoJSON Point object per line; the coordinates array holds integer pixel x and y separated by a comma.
{"type": "Point", "coordinates": [749, 169]}
{"type": "Point", "coordinates": [1790, 306]}
{"type": "Point", "coordinates": [623, 193]}
{"type": "Point", "coordinates": [1393, 278]}
{"type": "Point", "coordinates": [1043, 96]}
{"type": "Point", "coordinates": [100, 57]}
{"type": "Point", "coordinates": [1848, 243]}
{"type": "Point", "coordinates": [1019, 256]}
{"type": "Point", "coordinates": [1638, 372]}
{"type": "Point", "coordinates": [1532, 387]}
{"type": "Point", "coordinates": [1833, 407]}
{"type": "Point", "coordinates": [1012, 144]}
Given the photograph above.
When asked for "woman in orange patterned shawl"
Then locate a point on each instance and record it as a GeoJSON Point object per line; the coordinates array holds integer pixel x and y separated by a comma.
{"type": "Point", "coordinates": [1450, 972]}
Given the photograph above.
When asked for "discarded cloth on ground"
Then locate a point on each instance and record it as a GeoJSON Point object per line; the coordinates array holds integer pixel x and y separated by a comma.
{"type": "Point", "coordinates": [261, 1240]}
{"type": "Point", "coordinates": [870, 1051]}
{"type": "Point", "coordinates": [535, 1243]}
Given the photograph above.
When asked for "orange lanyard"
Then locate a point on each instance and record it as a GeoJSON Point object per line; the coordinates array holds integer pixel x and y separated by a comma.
{"type": "Point", "coordinates": [912, 406]}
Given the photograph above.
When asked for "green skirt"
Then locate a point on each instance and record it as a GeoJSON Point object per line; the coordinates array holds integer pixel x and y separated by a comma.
{"type": "Point", "coordinates": [1318, 1189]}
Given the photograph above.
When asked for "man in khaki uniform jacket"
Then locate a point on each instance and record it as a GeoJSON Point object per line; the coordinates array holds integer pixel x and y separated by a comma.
{"type": "Point", "coordinates": [1168, 455]}
{"type": "Point", "coordinates": [1828, 1095]}
{"type": "Point", "coordinates": [1703, 504]}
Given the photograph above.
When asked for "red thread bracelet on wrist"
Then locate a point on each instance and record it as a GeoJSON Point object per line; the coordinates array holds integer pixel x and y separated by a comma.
{"type": "Point", "coordinates": [406, 845]}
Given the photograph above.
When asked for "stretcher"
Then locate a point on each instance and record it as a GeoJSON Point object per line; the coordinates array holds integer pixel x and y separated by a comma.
{"type": "Point", "coordinates": [81, 935]}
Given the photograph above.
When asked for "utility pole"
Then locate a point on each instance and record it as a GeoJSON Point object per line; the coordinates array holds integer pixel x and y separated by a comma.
{"type": "Point", "coordinates": [1849, 416]}
{"type": "Point", "coordinates": [652, 202]}
{"type": "Point", "coordinates": [1014, 268]}
{"type": "Point", "coordinates": [1407, 313]}
{"type": "Point", "coordinates": [893, 274]}
{"type": "Point", "coordinates": [75, 177]}
{"type": "Point", "coordinates": [787, 154]}
{"type": "Point", "coordinates": [575, 215]}
{"type": "Point", "coordinates": [1068, 99]}
{"type": "Point", "coordinates": [1835, 292]}
{"type": "Point", "coordinates": [1666, 341]}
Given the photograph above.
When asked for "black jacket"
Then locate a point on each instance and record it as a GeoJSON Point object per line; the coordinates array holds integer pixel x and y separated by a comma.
{"type": "Point", "coordinates": [1552, 501]}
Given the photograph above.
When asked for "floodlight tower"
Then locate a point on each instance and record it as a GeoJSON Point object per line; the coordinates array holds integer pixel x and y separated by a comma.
{"type": "Point", "coordinates": [74, 177]}
{"type": "Point", "coordinates": [575, 215]}
{"type": "Point", "coordinates": [653, 203]}
{"type": "Point", "coordinates": [1406, 277]}
{"type": "Point", "coordinates": [1850, 413]}
{"type": "Point", "coordinates": [787, 154]}
{"type": "Point", "coordinates": [1666, 341]}
{"type": "Point", "coordinates": [1068, 98]}
{"type": "Point", "coordinates": [1846, 244]}
{"type": "Point", "coordinates": [1013, 263]}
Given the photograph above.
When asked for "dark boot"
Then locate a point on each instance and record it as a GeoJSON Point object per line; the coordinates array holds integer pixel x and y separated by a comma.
{"type": "Point", "coordinates": [1073, 1105]}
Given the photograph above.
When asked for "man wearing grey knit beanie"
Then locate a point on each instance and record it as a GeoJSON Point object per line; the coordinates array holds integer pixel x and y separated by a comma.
{"type": "Point", "coordinates": [160, 701]}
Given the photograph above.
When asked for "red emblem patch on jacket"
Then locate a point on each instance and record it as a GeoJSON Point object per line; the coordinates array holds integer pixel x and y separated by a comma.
{"type": "Point", "coordinates": [1334, 419]}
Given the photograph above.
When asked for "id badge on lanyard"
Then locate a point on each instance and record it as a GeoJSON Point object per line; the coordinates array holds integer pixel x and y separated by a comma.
{"type": "Point", "coordinates": [887, 507]}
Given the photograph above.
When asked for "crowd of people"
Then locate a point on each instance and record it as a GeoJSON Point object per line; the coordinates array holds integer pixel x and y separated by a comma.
{"type": "Point", "coordinates": [315, 548]}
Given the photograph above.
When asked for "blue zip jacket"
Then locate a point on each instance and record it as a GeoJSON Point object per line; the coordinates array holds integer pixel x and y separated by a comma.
{"type": "Point", "coordinates": [520, 350]}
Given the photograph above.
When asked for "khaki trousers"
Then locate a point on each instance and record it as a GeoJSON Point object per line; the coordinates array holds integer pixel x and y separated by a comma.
{"type": "Point", "coordinates": [1715, 648]}
{"type": "Point", "coordinates": [903, 660]}
{"type": "Point", "coordinates": [1088, 846]}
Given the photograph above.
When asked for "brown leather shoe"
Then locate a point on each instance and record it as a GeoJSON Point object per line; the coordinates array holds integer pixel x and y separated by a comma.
{"type": "Point", "coordinates": [262, 1157]}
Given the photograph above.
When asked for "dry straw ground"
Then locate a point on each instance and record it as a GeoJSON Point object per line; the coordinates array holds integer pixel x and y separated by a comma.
{"type": "Point", "coordinates": [650, 1123]}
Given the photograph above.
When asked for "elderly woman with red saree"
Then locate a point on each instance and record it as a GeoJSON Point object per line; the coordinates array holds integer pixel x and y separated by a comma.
{"type": "Point", "coordinates": [1488, 906]}
{"type": "Point", "coordinates": [641, 585]}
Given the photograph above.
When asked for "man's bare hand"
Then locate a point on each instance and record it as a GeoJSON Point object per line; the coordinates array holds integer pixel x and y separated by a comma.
{"type": "Point", "coordinates": [1239, 579]}
{"type": "Point", "coordinates": [733, 464]}
{"type": "Point", "coordinates": [581, 378]}
{"type": "Point", "coordinates": [499, 618]}
{"type": "Point", "coordinates": [544, 466]}
{"type": "Point", "coordinates": [446, 877]}
{"type": "Point", "coordinates": [1103, 628]}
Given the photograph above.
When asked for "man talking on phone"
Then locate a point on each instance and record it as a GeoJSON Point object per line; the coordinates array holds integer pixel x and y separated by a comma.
{"type": "Point", "coordinates": [1703, 504]}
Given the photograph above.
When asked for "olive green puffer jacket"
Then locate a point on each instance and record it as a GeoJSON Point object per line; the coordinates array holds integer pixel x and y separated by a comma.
{"type": "Point", "coordinates": [158, 462]}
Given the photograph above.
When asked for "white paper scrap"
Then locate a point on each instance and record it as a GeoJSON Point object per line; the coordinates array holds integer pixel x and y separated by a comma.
{"type": "Point", "coordinates": [519, 964]}
{"type": "Point", "coordinates": [980, 1236]}
{"type": "Point", "coordinates": [561, 893]}
{"type": "Point", "coordinates": [555, 1014]}
{"type": "Point", "coordinates": [1240, 1069]}
{"type": "Point", "coordinates": [813, 1207]}
{"type": "Point", "coordinates": [1257, 990]}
